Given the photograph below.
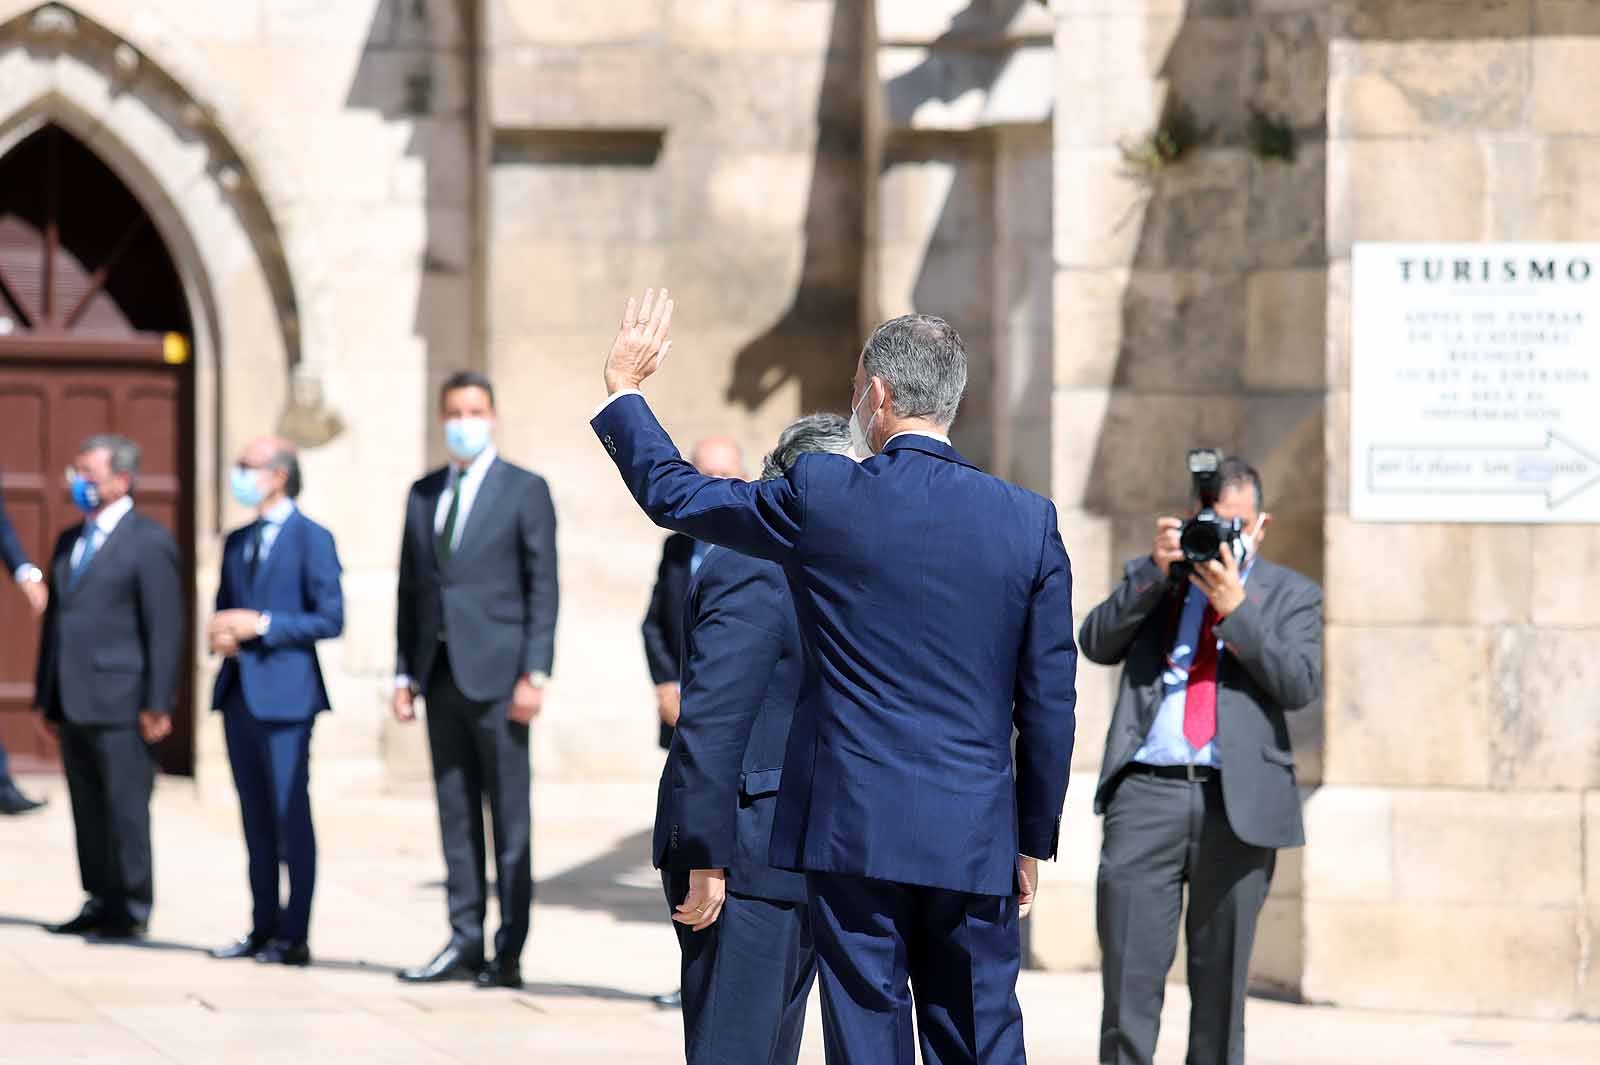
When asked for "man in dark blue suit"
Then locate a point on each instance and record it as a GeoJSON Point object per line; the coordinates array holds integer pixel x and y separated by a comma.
{"type": "Point", "coordinates": [748, 961]}
{"type": "Point", "coordinates": [935, 606]}
{"type": "Point", "coordinates": [278, 595]}
{"type": "Point", "coordinates": [30, 579]}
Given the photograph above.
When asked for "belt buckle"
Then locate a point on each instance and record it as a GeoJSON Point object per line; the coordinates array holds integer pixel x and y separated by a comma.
{"type": "Point", "coordinates": [1190, 768]}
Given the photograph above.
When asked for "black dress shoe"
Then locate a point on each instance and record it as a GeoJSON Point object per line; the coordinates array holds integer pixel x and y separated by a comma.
{"type": "Point", "coordinates": [12, 801]}
{"type": "Point", "coordinates": [454, 962]}
{"type": "Point", "coordinates": [285, 952]}
{"type": "Point", "coordinates": [499, 973]}
{"type": "Point", "coordinates": [116, 931]}
{"type": "Point", "coordinates": [89, 919]}
{"type": "Point", "coordinates": [243, 947]}
{"type": "Point", "coordinates": [672, 1000]}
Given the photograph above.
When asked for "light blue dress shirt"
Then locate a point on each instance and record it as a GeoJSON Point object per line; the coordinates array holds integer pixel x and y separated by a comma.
{"type": "Point", "coordinates": [1165, 743]}
{"type": "Point", "coordinates": [271, 525]}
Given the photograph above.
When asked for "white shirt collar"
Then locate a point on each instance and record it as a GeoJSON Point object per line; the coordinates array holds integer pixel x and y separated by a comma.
{"type": "Point", "coordinates": [478, 466]}
{"type": "Point", "coordinates": [113, 513]}
{"type": "Point", "coordinates": [279, 512]}
{"type": "Point", "coordinates": [941, 437]}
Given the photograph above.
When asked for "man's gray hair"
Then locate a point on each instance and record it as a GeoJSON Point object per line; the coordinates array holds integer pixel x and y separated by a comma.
{"type": "Point", "coordinates": [813, 434]}
{"type": "Point", "coordinates": [924, 363]}
{"type": "Point", "coordinates": [124, 452]}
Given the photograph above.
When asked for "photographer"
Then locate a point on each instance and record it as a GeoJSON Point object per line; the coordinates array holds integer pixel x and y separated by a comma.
{"type": "Point", "coordinates": [1197, 784]}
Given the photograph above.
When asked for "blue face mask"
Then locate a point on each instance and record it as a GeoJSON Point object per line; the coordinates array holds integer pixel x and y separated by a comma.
{"type": "Point", "coordinates": [466, 437]}
{"type": "Point", "coordinates": [246, 487]}
{"type": "Point", "coordinates": [85, 494]}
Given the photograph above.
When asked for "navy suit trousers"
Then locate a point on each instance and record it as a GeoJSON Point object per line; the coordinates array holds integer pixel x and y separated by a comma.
{"type": "Point", "coordinates": [271, 770]}
{"type": "Point", "coordinates": [879, 941]}
{"type": "Point", "coordinates": [746, 979]}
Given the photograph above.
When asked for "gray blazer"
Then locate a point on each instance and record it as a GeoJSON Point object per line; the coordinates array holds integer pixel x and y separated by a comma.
{"type": "Point", "coordinates": [1271, 663]}
{"type": "Point", "coordinates": [496, 597]}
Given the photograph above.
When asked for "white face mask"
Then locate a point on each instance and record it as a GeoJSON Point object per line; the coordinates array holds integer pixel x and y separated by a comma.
{"type": "Point", "coordinates": [859, 440]}
{"type": "Point", "coordinates": [1247, 540]}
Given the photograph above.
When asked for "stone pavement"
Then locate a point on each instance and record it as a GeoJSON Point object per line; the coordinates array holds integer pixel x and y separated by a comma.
{"type": "Point", "coordinates": [600, 949]}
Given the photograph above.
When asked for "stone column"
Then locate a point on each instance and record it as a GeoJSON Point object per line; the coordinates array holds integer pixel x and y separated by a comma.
{"type": "Point", "coordinates": [1455, 855]}
{"type": "Point", "coordinates": [1189, 276]}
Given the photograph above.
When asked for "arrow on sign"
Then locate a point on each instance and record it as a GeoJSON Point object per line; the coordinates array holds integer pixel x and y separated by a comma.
{"type": "Point", "coordinates": [1559, 470]}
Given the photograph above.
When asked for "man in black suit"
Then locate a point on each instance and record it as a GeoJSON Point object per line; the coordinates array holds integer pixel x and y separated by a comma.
{"type": "Point", "coordinates": [475, 628]}
{"type": "Point", "coordinates": [108, 676]}
{"type": "Point", "coordinates": [748, 959]}
{"type": "Point", "coordinates": [715, 456]}
{"type": "Point", "coordinates": [31, 582]}
{"type": "Point", "coordinates": [1198, 781]}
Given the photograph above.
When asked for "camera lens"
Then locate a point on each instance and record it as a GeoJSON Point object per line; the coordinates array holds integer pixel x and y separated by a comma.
{"type": "Point", "coordinates": [1200, 541]}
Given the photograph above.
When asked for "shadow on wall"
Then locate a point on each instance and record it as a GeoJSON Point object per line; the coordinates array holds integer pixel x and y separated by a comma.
{"type": "Point", "coordinates": [417, 67]}
{"type": "Point", "coordinates": [815, 342]}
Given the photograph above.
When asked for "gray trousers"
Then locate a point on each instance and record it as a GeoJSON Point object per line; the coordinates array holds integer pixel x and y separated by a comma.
{"type": "Point", "coordinates": [479, 756]}
{"type": "Point", "coordinates": [1159, 834]}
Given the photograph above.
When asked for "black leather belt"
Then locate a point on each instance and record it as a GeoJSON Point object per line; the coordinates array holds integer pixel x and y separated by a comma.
{"type": "Point", "coordinates": [1192, 773]}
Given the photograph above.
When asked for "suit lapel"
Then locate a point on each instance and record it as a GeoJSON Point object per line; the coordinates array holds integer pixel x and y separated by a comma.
{"type": "Point", "coordinates": [489, 498]}
{"type": "Point", "coordinates": [429, 495]}
{"type": "Point", "coordinates": [94, 565]}
{"type": "Point", "coordinates": [279, 545]}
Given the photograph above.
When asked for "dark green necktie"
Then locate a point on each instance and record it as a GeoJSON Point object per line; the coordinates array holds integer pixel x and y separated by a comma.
{"type": "Point", "coordinates": [447, 538]}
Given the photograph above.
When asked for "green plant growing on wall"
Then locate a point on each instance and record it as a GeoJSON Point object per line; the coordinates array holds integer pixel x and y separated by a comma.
{"type": "Point", "coordinates": [1147, 157]}
{"type": "Point", "coordinates": [1270, 137]}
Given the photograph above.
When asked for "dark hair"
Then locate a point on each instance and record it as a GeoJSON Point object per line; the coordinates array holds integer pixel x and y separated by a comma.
{"type": "Point", "coordinates": [1235, 472]}
{"type": "Point", "coordinates": [287, 459]}
{"type": "Point", "coordinates": [466, 379]}
{"type": "Point", "coordinates": [813, 434]}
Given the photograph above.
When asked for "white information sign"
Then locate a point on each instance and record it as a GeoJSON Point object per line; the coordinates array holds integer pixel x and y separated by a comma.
{"type": "Point", "coordinates": [1475, 383]}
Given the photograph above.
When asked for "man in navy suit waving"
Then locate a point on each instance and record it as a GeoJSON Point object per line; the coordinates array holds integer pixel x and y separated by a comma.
{"type": "Point", "coordinates": [278, 595]}
{"type": "Point", "coordinates": [935, 605]}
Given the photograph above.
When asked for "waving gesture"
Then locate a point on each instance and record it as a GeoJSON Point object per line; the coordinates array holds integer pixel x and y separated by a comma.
{"type": "Point", "coordinates": [641, 345]}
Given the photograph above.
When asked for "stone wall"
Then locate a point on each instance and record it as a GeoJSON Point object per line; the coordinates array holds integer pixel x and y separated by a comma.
{"type": "Point", "coordinates": [1454, 861]}
{"type": "Point", "coordinates": [714, 147]}
{"type": "Point", "coordinates": [1189, 294]}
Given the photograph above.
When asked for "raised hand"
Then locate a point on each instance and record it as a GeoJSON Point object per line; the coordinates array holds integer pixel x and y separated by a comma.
{"type": "Point", "coordinates": [642, 343]}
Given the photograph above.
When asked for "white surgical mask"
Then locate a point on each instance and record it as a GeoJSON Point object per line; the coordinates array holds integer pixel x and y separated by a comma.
{"type": "Point", "coordinates": [859, 440]}
{"type": "Point", "coordinates": [466, 437]}
{"type": "Point", "coordinates": [1247, 540]}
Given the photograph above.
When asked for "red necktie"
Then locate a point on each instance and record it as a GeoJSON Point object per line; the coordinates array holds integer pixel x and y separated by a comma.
{"type": "Point", "coordinates": [1200, 702]}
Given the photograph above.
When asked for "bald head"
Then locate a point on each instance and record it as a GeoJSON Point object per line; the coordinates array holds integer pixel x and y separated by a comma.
{"type": "Point", "coordinates": [718, 456]}
{"type": "Point", "coordinates": [275, 462]}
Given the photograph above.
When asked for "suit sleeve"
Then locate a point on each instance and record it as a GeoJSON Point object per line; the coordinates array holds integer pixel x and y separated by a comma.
{"type": "Point", "coordinates": [541, 590]}
{"type": "Point", "coordinates": [658, 656]}
{"type": "Point", "coordinates": [1109, 629]}
{"type": "Point", "coordinates": [161, 622]}
{"type": "Point", "coordinates": [11, 552]}
{"type": "Point", "coordinates": [324, 618]}
{"type": "Point", "coordinates": [47, 627]}
{"type": "Point", "coordinates": [1284, 654]}
{"type": "Point", "coordinates": [762, 519]}
{"type": "Point", "coordinates": [405, 607]}
{"type": "Point", "coordinates": [737, 639]}
{"type": "Point", "coordinates": [1046, 701]}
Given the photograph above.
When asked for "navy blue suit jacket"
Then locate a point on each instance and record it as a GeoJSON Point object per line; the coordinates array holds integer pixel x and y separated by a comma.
{"type": "Point", "coordinates": [298, 584]}
{"type": "Point", "coordinates": [935, 602]}
{"type": "Point", "coordinates": [11, 553]}
{"type": "Point", "coordinates": [743, 668]}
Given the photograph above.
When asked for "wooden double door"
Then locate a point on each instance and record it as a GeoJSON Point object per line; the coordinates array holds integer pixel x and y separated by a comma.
{"type": "Point", "coordinates": [93, 339]}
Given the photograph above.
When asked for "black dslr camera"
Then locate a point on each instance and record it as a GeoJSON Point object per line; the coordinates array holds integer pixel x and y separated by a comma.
{"type": "Point", "coordinates": [1203, 535]}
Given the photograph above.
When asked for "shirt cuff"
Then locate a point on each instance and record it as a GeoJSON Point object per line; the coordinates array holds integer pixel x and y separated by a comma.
{"type": "Point", "coordinates": [27, 573]}
{"type": "Point", "coordinates": [403, 680]}
{"type": "Point", "coordinates": [613, 398]}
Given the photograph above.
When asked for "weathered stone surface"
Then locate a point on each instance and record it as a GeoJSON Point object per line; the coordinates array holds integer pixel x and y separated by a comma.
{"type": "Point", "coordinates": [1368, 954]}
{"type": "Point", "coordinates": [1562, 555]}
{"type": "Point", "coordinates": [1089, 320]}
{"type": "Point", "coordinates": [1282, 436]}
{"type": "Point", "coordinates": [1288, 209]}
{"type": "Point", "coordinates": [1286, 345]}
{"type": "Point", "coordinates": [1545, 734]}
{"type": "Point", "coordinates": [1569, 204]}
{"type": "Point", "coordinates": [1487, 848]}
{"type": "Point", "coordinates": [1209, 74]}
{"type": "Point", "coordinates": [1182, 330]}
{"type": "Point", "coordinates": [1555, 17]}
{"type": "Point", "coordinates": [1566, 82]}
{"type": "Point", "coordinates": [1367, 587]}
{"type": "Point", "coordinates": [1425, 190]}
{"type": "Point", "coordinates": [1132, 446]}
{"type": "Point", "coordinates": [1338, 325]}
{"type": "Point", "coordinates": [1426, 87]}
{"type": "Point", "coordinates": [1099, 209]}
{"type": "Point", "coordinates": [1430, 19]}
{"type": "Point", "coordinates": [1292, 52]}
{"type": "Point", "coordinates": [1590, 1004]}
{"type": "Point", "coordinates": [1349, 854]}
{"type": "Point", "coordinates": [1408, 707]}
{"type": "Point", "coordinates": [1195, 217]}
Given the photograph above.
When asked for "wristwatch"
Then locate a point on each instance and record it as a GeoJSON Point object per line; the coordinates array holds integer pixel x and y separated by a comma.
{"type": "Point", "coordinates": [29, 574]}
{"type": "Point", "coordinates": [263, 623]}
{"type": "Point", "coordinates": [538, 678]}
